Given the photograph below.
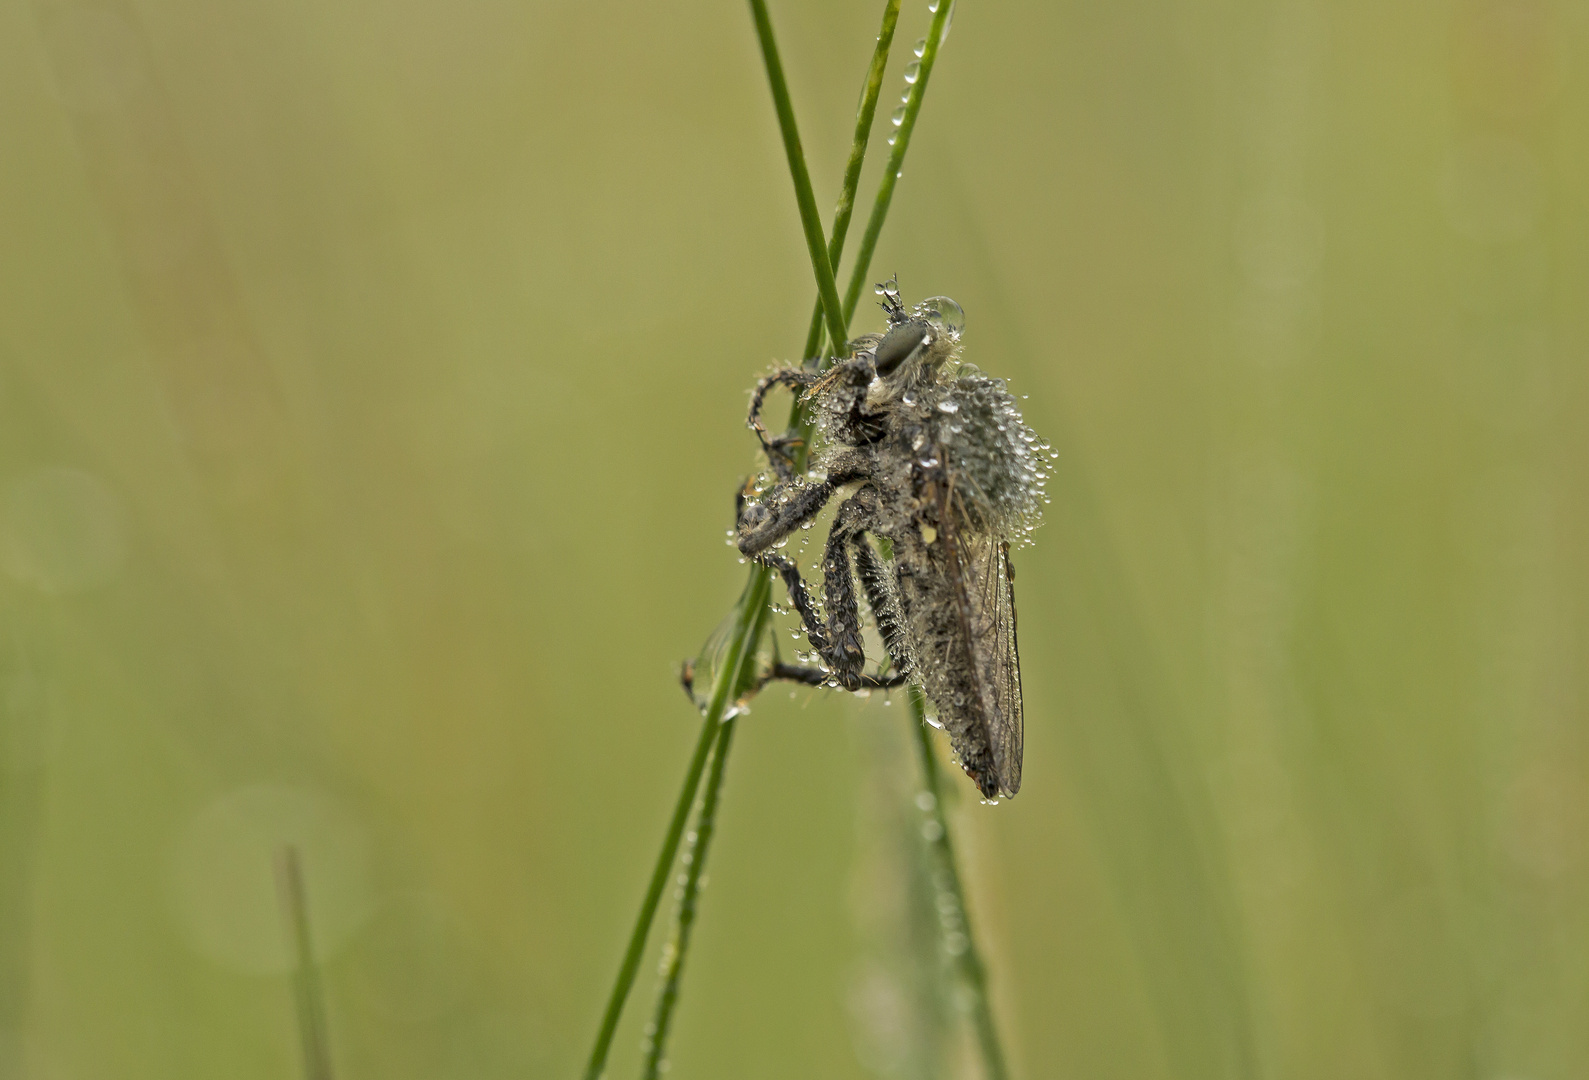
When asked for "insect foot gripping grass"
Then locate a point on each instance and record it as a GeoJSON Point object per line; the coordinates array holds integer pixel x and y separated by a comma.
{"type": "Point", "coordinates": [932, 458]}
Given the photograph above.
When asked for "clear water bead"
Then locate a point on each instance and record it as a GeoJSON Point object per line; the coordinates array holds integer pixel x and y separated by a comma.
{"type": "Point", "coordinates": [898, 116]}
{"type": "Point", "coordinates": [912, 71]}
{"type": "Point", "coordinates": [921, 47]}
{"type": "Point", "coordinates": [943, 313]}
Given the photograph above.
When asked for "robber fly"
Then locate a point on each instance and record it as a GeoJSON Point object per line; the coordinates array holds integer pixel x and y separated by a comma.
{"type": "Point", "coordinates": [933, 460]}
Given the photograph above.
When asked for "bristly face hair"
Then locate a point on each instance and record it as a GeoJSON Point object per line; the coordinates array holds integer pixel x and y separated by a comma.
{"type": "Point", "coordinates": [936, 461]}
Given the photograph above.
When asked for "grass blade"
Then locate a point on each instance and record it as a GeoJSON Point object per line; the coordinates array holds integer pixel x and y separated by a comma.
{"type": "Point", "coordinates": [312, 1028]}
{"type": "Point", "coordinates": [673, 958]}
{"type": "Point", "coordinates": [896, 157]}
{"type": "Point", "coordinates": [954, 917]}
{"type": "Point", "coordinates": [810, 221]}
{"type": "Point", "coordinates": [705, 826]}
{"type": "Point", "coordinates": [750, 615]}
{"type": "Point", "coordinates": [852, 168]}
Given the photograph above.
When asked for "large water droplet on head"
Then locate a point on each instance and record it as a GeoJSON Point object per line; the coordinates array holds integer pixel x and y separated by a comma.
{"type": "Point", "coordinates": [943, 313]}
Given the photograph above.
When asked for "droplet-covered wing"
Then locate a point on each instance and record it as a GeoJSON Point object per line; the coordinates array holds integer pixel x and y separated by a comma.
{"type": "Point", "coordinates": [986, 582]}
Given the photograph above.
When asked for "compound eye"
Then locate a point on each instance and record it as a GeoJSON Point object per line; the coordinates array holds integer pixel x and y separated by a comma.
{"type": "Point", "coordinates": [898, 344]}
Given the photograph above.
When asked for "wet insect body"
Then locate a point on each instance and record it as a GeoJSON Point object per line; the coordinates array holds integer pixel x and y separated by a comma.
{"type": "Point", "coordinates": [933, 458]}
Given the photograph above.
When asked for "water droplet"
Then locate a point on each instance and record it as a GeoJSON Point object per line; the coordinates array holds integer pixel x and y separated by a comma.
{"type": "Point", "coordinates": [932, 6]}
{"type": "Point", "coordinates": [925, 801]}
{"type": "Point", "coordinates": [898, 116]}
{"type": "Point", "coordinates": [943, 313]}
{"type": "Point", "coordinates": [891, 139]}
{"type": "Point", "coordinates": [948, 405]}
{"type": "Point", "coordinates": [920, 47]}
{"type": "Point", "coordinates": [912, 71]}
{"type": "Point", "coordinates": [931, 831]}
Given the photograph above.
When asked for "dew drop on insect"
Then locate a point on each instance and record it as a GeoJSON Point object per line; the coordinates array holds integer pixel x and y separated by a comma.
{"type": "Point", "coordinates": [948, 405]}
{"type": "Point", "coordinates": [921, 47]}
{"type": "Point", "coordinates": [913, 71]}
{"type": "Point", "coordinates": [898, 116]}
{"type": "Point", "coordinates": [943, 313]}
{"type": "Point", "coordinates": [935, 722]}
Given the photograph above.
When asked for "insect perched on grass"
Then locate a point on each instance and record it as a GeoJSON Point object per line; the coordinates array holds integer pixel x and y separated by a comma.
{"type": "Point", "coordinates": [937, 464]}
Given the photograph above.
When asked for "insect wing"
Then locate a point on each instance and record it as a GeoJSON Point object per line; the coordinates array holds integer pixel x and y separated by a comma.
{"type": "Point", "coordinates": [988, 581]}
{"type": "Point", "coordinates": [982, 585]}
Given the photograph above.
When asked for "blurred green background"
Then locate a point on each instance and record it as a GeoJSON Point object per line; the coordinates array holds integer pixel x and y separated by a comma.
{"type": "Point", "coordinates": [371, 391]}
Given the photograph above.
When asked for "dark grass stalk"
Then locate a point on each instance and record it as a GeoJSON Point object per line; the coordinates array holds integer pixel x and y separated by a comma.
{"type": "Point", "coordinates": [954, 918]}
{"type": "Point", "coordinates": [749, 615]}
{"type": "Point", "coordinates": [896, 158]}
{"type": "Point", "coordinates": [689, 895]}
{"type": "Point", "coordinates": [810, 220]}
{"type": "Point", "coordinates": [852, 168]}
{"type": "Point", "coordinates": [311, 1007]}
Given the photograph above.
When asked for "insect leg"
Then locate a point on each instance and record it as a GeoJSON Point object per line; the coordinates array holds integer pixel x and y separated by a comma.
{"type": "Point", "coordinates": [812, 676]}
{"type": "Point", "coordinates": [885, 605]}
{"type": "Point", "coordinates": [785, 508]}
{"type": "Point", "coordinates": [838, 641]}
{"type": "Point", "coordinates": [816, 633]}
{"type": "Point", "coordinates": [796, 379]}
{"type": "Point", "coordinates": [845, 653]}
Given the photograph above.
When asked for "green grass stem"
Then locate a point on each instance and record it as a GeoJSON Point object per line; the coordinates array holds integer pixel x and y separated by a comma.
{"type": "Point", "coordinates": [313, 1031]}
{"type": "Point", "coordinates": [954, 917]}
{"type": "Point", "coordinates": [896, 157]}
{"type": "Point", "coordinates": [810, 220]}
{"type": "Point", "coordinates": [749, 615]}
{"type": "Point", "coordinates": [852, 168]}
{"type": "Point", "coordinates": [752, 614]}
{"type": "Point", "coordinates": [689, 896]}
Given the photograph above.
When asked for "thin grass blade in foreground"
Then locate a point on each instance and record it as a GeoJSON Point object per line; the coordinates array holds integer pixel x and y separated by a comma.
{"type": "Point", "coordinates": [743, 634]}
{"type": "Point", "coordinates": [810, 220]}
{"type": "Point", "coordinates": [667, 1000]}
{"type": "Point", "coordinates": [927, 49]}
{"type": "Point", "coordinates": [746, 629]}
{"type": "Point", "coordinates": [312, 1029]}
{"type": "Point", "coordinates": [747, 616]}
{"type": "Point", "coordinates": [852, 168]}
{"type": "Point", "coordinates": [701, 842]}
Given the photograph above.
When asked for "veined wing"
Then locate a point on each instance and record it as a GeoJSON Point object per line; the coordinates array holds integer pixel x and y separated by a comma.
{"type": "Point", "coordinates": [981, 583]}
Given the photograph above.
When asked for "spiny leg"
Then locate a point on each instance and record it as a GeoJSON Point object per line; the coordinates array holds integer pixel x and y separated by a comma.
{"type": "Point", "coordinates": [885, 604]}
{"type": "Point", "coordinates": [784, 509]}
{"type": "Point", "coordinates": [838, 641]}
{"type": "Point", "coordinates": [812, 676]}
{"type": "Point", "coordinates": [797, 380]}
